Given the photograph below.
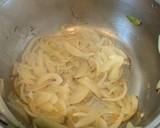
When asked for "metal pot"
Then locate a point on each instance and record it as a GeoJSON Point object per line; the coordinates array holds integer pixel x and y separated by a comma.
{"type": "Point", "coordinates": [21, 20]}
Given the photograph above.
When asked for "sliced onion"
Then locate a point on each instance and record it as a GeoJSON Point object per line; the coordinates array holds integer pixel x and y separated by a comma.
{"type": "Point", "coordinates": [85, 121]}
{"type": "Point", "coordinates": [42, 97]}
{"type": "Point", "coordinates": [76, 52]}
{"type": "Point", "coordinates": [53, 99]}
{"type": "Point", "coordinates": [47, 107]}
{"type": "Point", "coordinates": [83, 69]}
{"type": "Point", "coordinates": [80, 114]}
{"type": "Point", "coordinates": [42, 82]}
{"type": "Point", "coordinates": [43, 122]}
{"type": "Point", "coordinates": [134, 104]}
{"type": "Point", "coordinates": [101, 81]}
{"type": "Point", "coordinates": [75, 75]}
{"type": "Point", "coordinates": [130, 125]}
{"type": "Point", "coordinates": [115, 73]}
{"type": "Point", "coordinates": [90, 85]}
{"type": "Point", "coordinates": [118, 121]}
{"type": "Point", "coordinates": [101, 123]}
{"type": "Point", "coordinates": [118, 97]}
{"type": "Point", "coordinates": [78, 94]}
{"type": "Point", "coordinates": [64, 93]}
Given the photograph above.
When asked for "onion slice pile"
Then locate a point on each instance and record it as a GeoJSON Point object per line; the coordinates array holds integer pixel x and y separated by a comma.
{"type": "Point", "coordinates": [73, 79]}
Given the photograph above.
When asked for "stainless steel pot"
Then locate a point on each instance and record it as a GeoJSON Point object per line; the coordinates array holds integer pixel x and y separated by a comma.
{"type": "Point", "coordinates": [21, 20]}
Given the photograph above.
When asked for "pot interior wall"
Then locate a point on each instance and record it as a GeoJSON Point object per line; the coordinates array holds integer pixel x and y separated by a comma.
{"type": "Point", "coordinates": [21, 20]}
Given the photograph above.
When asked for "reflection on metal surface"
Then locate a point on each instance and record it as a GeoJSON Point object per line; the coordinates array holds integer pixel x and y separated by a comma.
{"type": "Point", "coordinates": [124, 28]}
{"type": "Point", "coordinates": [4, 2]}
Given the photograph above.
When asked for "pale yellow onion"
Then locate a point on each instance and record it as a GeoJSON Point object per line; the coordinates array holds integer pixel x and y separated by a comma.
{"type": "Point", "coordinates": [85, 121]}
{"type": "Point", "coordinates": [40, 62]}
{"type": "Point", "coordinates": [80, 114]}
{"type": "Point", "coordinates": [101, 81]}
{"type": "Point", "coordinates": [102, 41]}
{"type": "Point", "coordinates": [48, 107]}
{"type": "Point", "coordinates": [90, 118]}
{"type": "Point", "coordinates": [25, 74]}
{"type": "Point", "coordinates": [119, 120]}
{"type": "Point", "coordinates": [49, 64]}
{"type": "Point", "coordinates": [130, 108]}
{"type": "Point", "coordinates": [42, 97]}
{"type": "Point", "coordinates": [130, 125]}
{"type": "Point", "coordinates": [112, 108]}
{"type": "Point", "coordinates": [127, 106]}
{"type": "Point", "coordinates": [120, 52]}
{"type": "Point", "coordinates": [83, 69]}
{"type": "Point", "coordinates": [117, 58]}
{"type": "Point", "coordinates": [64, 92]}
{"type": "Point", "coordinates": [53, 76]}
{"type": "Point", "coordinates": [110, 62]}
{"type": "Point", "coordinates": [118, 97]}
{"type": "Point", "coordinates": [114, 89]}
{"type": "Point", "coordinates": [101, 123]}
{"type": "Point", "coordinates": [33, 108]}
{"type": "Point", "coordinates": [115, 73]}
{"type": "Point", "coordinates": [134, 103]}
{"type": "Point", "coordinates": [57, 55]}
{"type": "Point", "coordinates": [70, 122]}
{"type": "Point", "coordinates": [41, 83]}
{"type": "Point", "coordinates": [76, 52]}
{"type": "Point", "coordinates": [108, 50]}
{"type": "Point", "coordinates": [76, 59]}
{"type": "Point", "coordinates": [90, 85]}
{"type": "Point", "coordinates": [78, 94]}
{"type": "Point", "coordinates": [90, 33]}
{"type": "Point", "coordinates": [30, 113]}
{"type": "Point", "coordinates": [30, 59]}
{"type": "Point", "coordinates": [53, 99]}
{"type": "Point", "coordinates": [22, 94]}
{"type": "Point", "coordinates": [61, 107]}
{"type": "Point", "coordinates": [108, 66]}
{"type": "Point", "coordinates": [30, 96]}
{"type": "Point", "coordinates": [106, 85]}
{"type": "Point", "coordinates": [99, 66]}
